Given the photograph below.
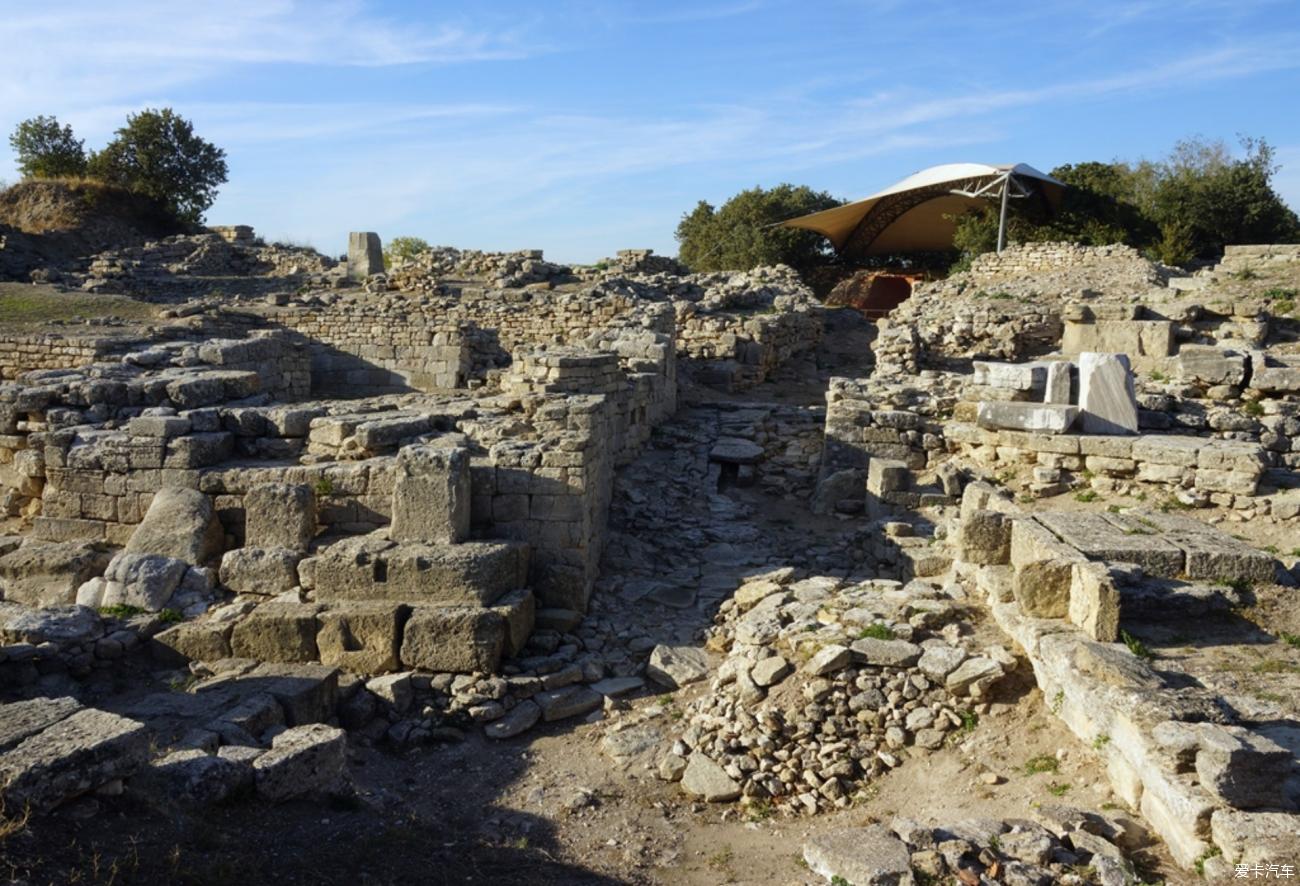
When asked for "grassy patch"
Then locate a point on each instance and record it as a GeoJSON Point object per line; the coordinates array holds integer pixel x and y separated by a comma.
{"type": "Point", "coordinates": [27, 305]}
{"type": "Point", "coordinates": [120, 610]}
{"type": "Point", "coordinates": [1057, 789]}
{"type": "Point", "coordinates": [1273, 666]}
{"type": "Point", "coordinates": [1290, 639]}
{"type": "Point", "coordinates": [876, 631]}
{"type": "Point", "coordinates": [1041, 763]}
{"type": "Point", "coordinates": [1136, 646]}
{"type": "Point", "coordinates": [1086, 495]}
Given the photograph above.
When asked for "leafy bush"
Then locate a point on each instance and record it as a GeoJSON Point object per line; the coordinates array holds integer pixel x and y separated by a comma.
{"type": "Point", "coordinates": [1190, 204]}
{"type": "Point", "coordinates": [402, 249]}
{"type": "Point", "coordinates": [739, 235]}
{"type": "Point", "coordinates": [158, 154]}
{"type": "Point", "coordinates": [47, 150]}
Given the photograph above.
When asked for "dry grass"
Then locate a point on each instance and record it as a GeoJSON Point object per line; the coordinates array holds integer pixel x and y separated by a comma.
{"type": "Point", "coordinates": [24, 305]}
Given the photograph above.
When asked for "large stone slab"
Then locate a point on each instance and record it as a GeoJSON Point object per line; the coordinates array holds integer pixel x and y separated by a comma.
{"type": "Point", "coordinates": [49, 573]}
{"type": "Point", "coordinates": [1042, 418]}
{"type": "Point", "coordinates": [476, 572]}
{"type": "Point", "coordinates": [431, 495]}
{"type": "Point", "coordinates": [281, 632]}
{"type": "Point", "coordinates": [180, 523]}
{"type": "Point", "coordinates": [870, 856]}
{"type": "Point", "coordinates": [1107, 399]}
{"type": "Point", "coordinates": [1211, 554]}
{"type": "Point", "coordinates": [82, 752]}
{"type": "Point", "coordinates": [22, 719]}
{"type": "Point", "coordinates": [1115, 539]}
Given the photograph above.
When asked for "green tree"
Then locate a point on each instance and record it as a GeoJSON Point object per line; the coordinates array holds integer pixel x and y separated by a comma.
{"type": "Point", "coordinates": [157, 154]}
{"type": "Point", "coordinates": [740, 235]}
{"type": "Point", "coordinates": [47, 150]}
{"type": "Point", "coordinates": [402, 249]}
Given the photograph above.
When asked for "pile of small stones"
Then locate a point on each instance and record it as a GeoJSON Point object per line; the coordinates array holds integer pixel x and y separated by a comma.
{"type": "Point", "coordinates": [827, 686]}
{"type": "Point", "coordinates": [1063, 845]}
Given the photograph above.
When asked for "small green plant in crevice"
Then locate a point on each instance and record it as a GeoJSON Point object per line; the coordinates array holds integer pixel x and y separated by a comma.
{"type": "Point", "coordinates": [1205, 856]}
{"type": "Point", "coordinates": [877, 631]}
{"type": "Point", "coordinates": [722, 858]}
{"type": "Point", "coordinates": [1273, 666]}
{"type": "Point", "coordinates": [1253, 408]}
{"type": "Point", "coordinates": [1290, 639]}
{"type": "Point", "coordinates": [170, 616]}
{"type": "Point", "coordinates": [1271, 549]}
{"type": "Point", "coordinates": [1246, 273]}
{"type": "Point", "coordinates": [1240, 585]}
{"type": "Point", "coordinates": [1136, 646]}
{"type": "Point", "coordinates": [969, 720]}
{"type": "Point", "coordinates": [1058, 789]}
{"type": "Point", "coordinates": [1173, 504]}
{"type": "Point", "coordinates": [1041, 763]}
{"type": "Point", "coordinates": [1057, 700]}
{"type": "Point", "coordinates": [1086, 495]}
{"type": "Point", "coordinates": [1100, 741]}
{"type": "Point", "coordinates": [323, 486]}
{"type": "Point", "coordinates": [120, 610]}
{"type": "Point", "coordinates": [1157, 375]}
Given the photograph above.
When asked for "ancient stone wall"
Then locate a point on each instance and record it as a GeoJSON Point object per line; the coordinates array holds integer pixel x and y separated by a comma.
{"type": "Point", "coordinates": [20, 353]}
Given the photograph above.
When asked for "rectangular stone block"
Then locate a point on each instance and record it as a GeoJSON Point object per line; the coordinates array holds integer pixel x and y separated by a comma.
{"type": "Point", "coordinates": [431, 495]}
{"type": "Point", "coordinates": [361, 637]}
{"type": "Point", "coordinates": [457, 639]}
{"type": "Point", "coordinates": [1106, 394]}
{"type": "Point", "coordinates": [1042, 418]}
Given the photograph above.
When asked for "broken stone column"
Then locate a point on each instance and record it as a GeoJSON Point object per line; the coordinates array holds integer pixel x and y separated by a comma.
{"type": "Point", "coordinates": [1107, 397]}
{"type": "Point", "coordinates": [280, 515]}
{"type": "Point", "coordinates": [431, 495]}
{"type": "Point", "coordinates": [1058, 382]}
{"type": "Point", "coordinates": [365, 255]}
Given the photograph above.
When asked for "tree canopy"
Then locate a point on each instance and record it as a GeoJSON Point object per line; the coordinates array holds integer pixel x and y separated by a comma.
{"type": "Point", "coordinates": [738, 235]}
{"type": "Point", "coordinates": [45, 149]}
{"type": "Point", "coordinates": [1190, 204]}
{"type": "Point", "coordinates": [158, 154]}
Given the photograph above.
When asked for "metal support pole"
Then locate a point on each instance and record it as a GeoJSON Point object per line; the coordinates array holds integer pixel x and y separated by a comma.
{"type": "Point", "coordinates": [1002, 219]}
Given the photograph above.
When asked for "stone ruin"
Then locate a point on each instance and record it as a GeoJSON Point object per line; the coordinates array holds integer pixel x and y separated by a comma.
{"type": "Point", "coordinates": [457, 494]}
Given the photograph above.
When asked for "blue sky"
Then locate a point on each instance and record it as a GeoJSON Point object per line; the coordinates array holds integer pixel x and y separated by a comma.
{"type": "Point", "coordinates": [587, 126]}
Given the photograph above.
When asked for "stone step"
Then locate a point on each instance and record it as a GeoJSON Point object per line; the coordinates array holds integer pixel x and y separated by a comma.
{"type": "Point", "coordinates": [471, 573]}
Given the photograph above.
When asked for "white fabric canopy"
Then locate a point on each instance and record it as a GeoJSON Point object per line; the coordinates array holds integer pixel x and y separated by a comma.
{"type": "Point", "coordinates": [918, 213]}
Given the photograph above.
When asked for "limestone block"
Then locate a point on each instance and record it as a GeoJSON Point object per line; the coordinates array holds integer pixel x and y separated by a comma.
{"type": "Point", "coordinates": [76, 755]}
{"type": "Point", "coordinates": [361, 637]}
{"type": "Point", "coordinates": [1256, 837]}
{"type": "Point", "coordinates": [1106, 394]}
{"type": "Point", "coordinates": [280, 515]}
{"type": "Point", "coordinates": [262, 571]}
{"type": "Point", "coordinates": [180, 523]}
{"type": "Point", "coordinates": [1210, 365]}
{"type": "Point", "coordinates": [49, 573]}
{"type": "Point", "coordinates": [277, 632]}
{"type": "Point", "coordinates": [193, 641]}
{"type": "Point", "coordinates": [1059, 385]}
{"type": "Point", "coordinates": [984, 538]}
{"type": "Point", "coordinates": [870, 856]}
{"type": "Point", "coordinates": [1011, 376]}
{"type": "Point", "coordinates": [1042, 588]}
{"type": "Point", "coordinates": [365, 255]}
{"type": "Point", "coordinates": [1094, 602]}
{"type": "Point", "coordinates": [302, 760]}
{"type": "Point", "coordinates": [431, 496]}
{"type": "Point", "coordinates": [1043, 418]}
{"type": "Point", "coordinates": [472, 572]}
{"type": "Point", "coordinates": [886, 475]}
{"type": "Point", "coordinates": [142, 581]}
{"type": "Point", "coordinates": [519, 609]}
{"type": "Point", "coordinates": [457, 639]}
{"type": "Point", "coordinates": [1242, 768]}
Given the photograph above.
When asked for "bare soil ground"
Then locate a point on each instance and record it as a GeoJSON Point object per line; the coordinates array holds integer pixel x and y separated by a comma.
{"type": "Point", "coordinates": [33, 307]}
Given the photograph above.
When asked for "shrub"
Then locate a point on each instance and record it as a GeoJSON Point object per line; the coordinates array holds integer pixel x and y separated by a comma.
{"type": "Point", "coordinates": [740, 235]}
{"type": "Point", "coordinates": [401, 249]}
{"type": "Point", "coordinates": [157, 154]}
{"type": "Point", "coordinates": [47, 150]}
